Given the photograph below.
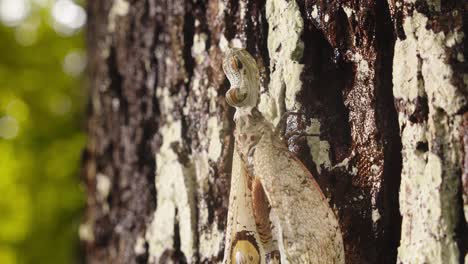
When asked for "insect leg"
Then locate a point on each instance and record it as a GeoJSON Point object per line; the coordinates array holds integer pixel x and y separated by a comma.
{"type": "Point", "coordinates": [280, 128]}
{"type": "Point", "coordinates": [290, 134]}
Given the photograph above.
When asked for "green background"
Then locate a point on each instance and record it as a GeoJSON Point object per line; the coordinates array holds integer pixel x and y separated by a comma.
{"type": "Point", "coordinates": [42, 132]}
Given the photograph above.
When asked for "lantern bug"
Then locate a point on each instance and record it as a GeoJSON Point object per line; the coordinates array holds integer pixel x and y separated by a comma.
{"type": "Point", "coordinates": [277, 212]}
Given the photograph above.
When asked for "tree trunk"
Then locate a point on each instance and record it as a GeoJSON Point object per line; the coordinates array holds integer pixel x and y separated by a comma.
{"type": "Point", "coordinates": [384, 83]}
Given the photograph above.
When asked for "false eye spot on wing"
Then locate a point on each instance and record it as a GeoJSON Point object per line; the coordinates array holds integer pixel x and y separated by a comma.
{"type": "Point", "coordinates": [245, 249]}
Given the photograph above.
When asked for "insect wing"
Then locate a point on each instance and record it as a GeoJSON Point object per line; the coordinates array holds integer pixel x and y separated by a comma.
{"type": "Point", "coordinates": [241, 231]}
{"type": "Point", "coordinates": [304, 224]}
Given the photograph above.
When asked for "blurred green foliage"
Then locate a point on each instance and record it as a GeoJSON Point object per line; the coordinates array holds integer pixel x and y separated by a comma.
{"type": "Point", "coordinates": [42, 99]}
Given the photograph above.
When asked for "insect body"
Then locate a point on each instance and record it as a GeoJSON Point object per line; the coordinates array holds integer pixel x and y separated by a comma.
{"type": "Point", "coordinates": [277, 212]}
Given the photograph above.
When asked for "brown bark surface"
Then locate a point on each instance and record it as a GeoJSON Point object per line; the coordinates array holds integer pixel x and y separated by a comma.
{"type": "Point", "coordinates": [154, 63]}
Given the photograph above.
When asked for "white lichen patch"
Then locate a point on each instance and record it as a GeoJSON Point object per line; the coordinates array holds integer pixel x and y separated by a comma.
{"type": "Point", "coordinates": [223, 43]}
{"type": "Point", "coordinates": [422, 229]}
{"type": "Point", "coordinates": [292, 74]}
{"type": "Point", "coordinates": [363, 67]}
{"type": "Point", "coordinates": [424, 52]}
{"type": "Point", "coordinates": [430, 175]}
{"type": "Point", "coordinates": [215, 145]}
{"type": "Point", "coordinates": [362, 71]}
{"type": "Point", "coordinates": [405, 71]}
{"type": "Point", "coordinates": [319, 149]}
{"type": "Point", "coordinates": [221, 8]}
{"type": "Point", "coordinates": [210, 240]}
{"type": "Point", "coordinates": [175, 185]}
{"type": "Point", "coordinates": [139, 246]}
{"type": "Point", "coordinates": [210, 139]}
{"type": "Point", "coordinates": [242, 9]}
{"type": "Point", "coordinates": [202, 174]}
{"type": "Point", "coordinates": [348, 11]}
{"type": "Point", "coordinates": [213, 95]}
{"type": "Point", "coordinates": [375, 169]}
{"type": "Point", "coordinates": [103, 186]}
{"type": "Point", "coordinates": [85, 232]}
{"type": "Point", "coordinates": [119, 8]}
{"type": "Point", "coordinates": [199, 47]}
{"type": "Point", "coordinates": [285, 49]}
{"type": "Point", "coordinates": [314, 12]}
{"type": "Point", "coordinates": [375, 215]}
{"type": "Point", "coordinates": [236, 43]}
{"type": "Point", "coordinates": [165, 100]}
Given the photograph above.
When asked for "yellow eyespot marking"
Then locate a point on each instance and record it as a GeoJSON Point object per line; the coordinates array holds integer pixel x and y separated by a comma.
{"type": "Point", "coordinates": [244, 252]}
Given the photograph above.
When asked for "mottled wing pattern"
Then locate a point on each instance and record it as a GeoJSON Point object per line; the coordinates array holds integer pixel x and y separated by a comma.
{"type": "Point", "coordinates": [304, 224]}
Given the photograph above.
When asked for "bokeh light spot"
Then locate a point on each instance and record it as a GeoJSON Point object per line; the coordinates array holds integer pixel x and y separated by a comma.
{"type": "Point", "coordinates": [8, 127]}
{"type": "Point", "coordinates": [18, 109]}
{"type": "Point", "coordinates": [68, 16]}
{"type": "Point", "coordinates": [74, 63]}
{"type": "Point", "coordinates": [13, 12]}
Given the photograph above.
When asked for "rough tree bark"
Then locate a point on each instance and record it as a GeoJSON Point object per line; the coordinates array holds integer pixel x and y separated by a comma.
{"type": "Point", "coordinates": [385, 84]}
